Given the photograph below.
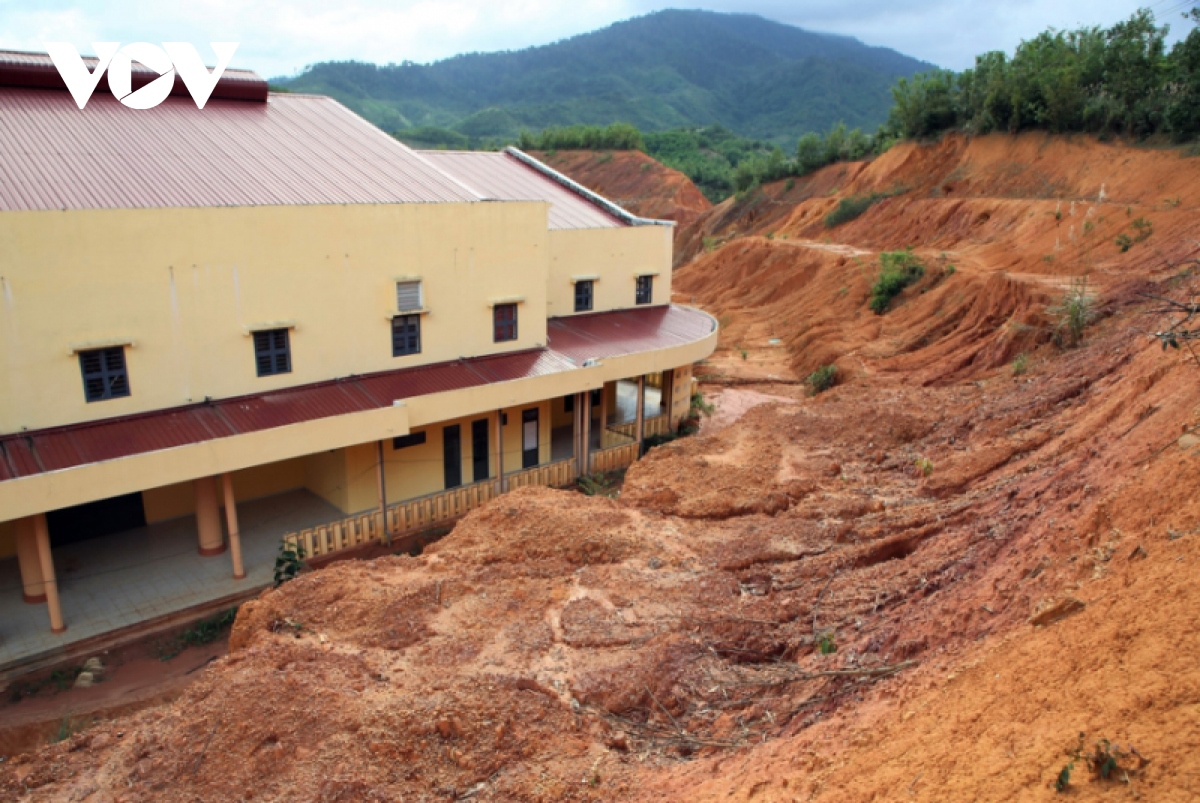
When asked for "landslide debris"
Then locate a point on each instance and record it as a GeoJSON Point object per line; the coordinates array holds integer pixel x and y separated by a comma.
{"type": "Point", "coordinates": [839, 597]}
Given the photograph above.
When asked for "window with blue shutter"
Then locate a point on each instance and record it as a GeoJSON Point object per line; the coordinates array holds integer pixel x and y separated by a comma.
{"type": "Point", "coordinates": [272, 354]}
{"type": "Point", "coordinates": [104, 373]}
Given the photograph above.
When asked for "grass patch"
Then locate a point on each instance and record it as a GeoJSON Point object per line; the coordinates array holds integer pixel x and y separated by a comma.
{"type": "Point", "coordinates": [822, 379]}
{"type": "Point", "coordinates": [897, 270]}
{"type": "Point", "coordinates": [1020, 364]}
{"type": "Point", "coordinates": [1073, 314]}
{"type": "Point", "coordinates": [850, 208]}
{"type": "Point", "coordinates": [205, 631]}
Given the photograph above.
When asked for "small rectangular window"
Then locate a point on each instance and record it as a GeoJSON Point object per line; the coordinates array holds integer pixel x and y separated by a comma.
{"type": "Point", "coordinates": [408, 296]}
{"type": "Point", "coordinates": [405, 441]}
{"type": "Point", "coordinates": [406, 335]}
{"type": "Point", "coordinates": [645, 289]}
{"type": "Point", "coordinates": [504, 319]}
{"type": "Point", "coordinates": [272, 354]}
{"type": "Point", "coordinates": [583, 296]}
{"type": "Point", "coordinates": [104, 374]}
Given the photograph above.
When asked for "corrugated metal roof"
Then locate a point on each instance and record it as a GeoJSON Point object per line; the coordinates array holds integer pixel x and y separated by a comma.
{"type": "Point", "coordinates": [294, 149]}
{"type": "Point", "coordinates": [572, 341]}
{"type": "Point", "coordinates": [613, 334]}
{"type": "Point", "coordinates": [18, 68]}
{"type": "Point", "coordinates": [502, 177]}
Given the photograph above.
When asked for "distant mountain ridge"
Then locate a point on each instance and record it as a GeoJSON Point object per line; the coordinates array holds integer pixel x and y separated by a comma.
{"type": "Point", "coordinates": [669, 69]}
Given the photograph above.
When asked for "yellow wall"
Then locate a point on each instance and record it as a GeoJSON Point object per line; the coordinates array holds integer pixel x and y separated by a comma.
{"type": "Point", "coordinates": [419, 470]}
{"type": "Point", "coordinates": [559, 417]}
{"type": "Point", "coordinates": [325, 476]}
{"type": "Point", "coordinates": [173, 501]}
{"type": "Point", "coordinates": [184, 284]}
{"type": "Point", "coordinates": [616, 255]}
{"type": "Point", "coordinates": [681, 395]}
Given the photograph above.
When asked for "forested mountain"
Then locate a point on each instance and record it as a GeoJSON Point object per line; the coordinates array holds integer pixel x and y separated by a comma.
{"type": "Point", "coordinates": [670, 69]}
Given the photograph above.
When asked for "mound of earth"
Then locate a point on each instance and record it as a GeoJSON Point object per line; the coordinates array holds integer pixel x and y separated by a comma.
{"type": "Point", "coordinates": [634, 181]}
{"type": "Point", "coordinates": [922, 584]}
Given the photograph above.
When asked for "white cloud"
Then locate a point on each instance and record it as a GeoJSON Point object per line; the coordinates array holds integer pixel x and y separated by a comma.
{"type": "Point", "coordinates": [278, 37]}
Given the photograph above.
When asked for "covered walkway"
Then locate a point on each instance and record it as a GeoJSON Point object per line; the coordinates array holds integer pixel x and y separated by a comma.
{"type": "Point", "coordinates": [119, 580]}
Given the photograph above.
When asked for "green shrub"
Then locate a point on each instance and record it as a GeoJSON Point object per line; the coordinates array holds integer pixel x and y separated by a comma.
{"type": "Point", "coordinates": [1020, 364]}
{"type": "Point", "coordinates": [897, 270]}
{"type": "Point", "coordinates": [850, 208]}
{"type": "Point", "coordinates": [1073, 314]}
{"type": "Point", "coordinates": [822, 379]}
{"type": "Point", "coordinates": [288, 564]}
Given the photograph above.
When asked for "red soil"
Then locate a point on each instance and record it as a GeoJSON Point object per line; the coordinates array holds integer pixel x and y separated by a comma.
{"type": "Point", "coordinates": [668, 645]}
{"type": "Point", "coordinates": [634, 181]}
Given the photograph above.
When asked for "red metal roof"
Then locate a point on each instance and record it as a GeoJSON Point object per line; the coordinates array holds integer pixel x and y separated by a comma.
{"type": "Point", "coordinates": [37, 70]}
{"type": "Point", "coordinates": [294, 149]}
{"type": "Point", "coordinates": [503, 177]}
{"type": "Point", "coordinates": [612, 334]}
{"type": "Point", "coordinates": [572, 341]}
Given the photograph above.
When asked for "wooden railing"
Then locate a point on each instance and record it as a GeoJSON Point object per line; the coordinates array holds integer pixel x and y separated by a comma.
{"type": "Point", "coordinates": [618, 434]}
{"type": "Point", "coordinates": [616, 457]}
{"type": "Point", "coordinates": [552, 474]}
{"type": "Point", "coordinates": [425, 511]}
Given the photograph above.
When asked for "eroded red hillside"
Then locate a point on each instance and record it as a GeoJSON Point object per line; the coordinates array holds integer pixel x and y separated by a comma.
{"type": "Point", "coordinates": [634, 181]}
{"type": "Point", "coordinates": [818, 598]}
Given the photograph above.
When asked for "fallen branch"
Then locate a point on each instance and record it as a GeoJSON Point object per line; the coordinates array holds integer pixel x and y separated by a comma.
{"type": "Point", "coordinates": [797, 675]}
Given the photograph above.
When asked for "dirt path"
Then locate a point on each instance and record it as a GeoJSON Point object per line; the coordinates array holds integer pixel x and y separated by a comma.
{"type": "Point", "coordinates": [134, 677]}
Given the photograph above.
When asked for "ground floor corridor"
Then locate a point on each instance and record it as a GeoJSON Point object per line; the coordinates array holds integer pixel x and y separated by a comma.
{"type": "Point", "coordinates": [119, 580]}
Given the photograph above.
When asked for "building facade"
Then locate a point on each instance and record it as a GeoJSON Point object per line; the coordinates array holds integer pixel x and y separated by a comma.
{"type": "Point", "coordinates": [200, 309]}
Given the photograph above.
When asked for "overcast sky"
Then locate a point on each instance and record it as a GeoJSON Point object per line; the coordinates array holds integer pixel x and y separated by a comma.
{"type": "Point", "coordinates": [279, 37]}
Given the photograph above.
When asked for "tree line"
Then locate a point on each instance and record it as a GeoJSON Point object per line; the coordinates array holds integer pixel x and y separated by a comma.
{"type": "Point", "coordinates": [1121, 80]}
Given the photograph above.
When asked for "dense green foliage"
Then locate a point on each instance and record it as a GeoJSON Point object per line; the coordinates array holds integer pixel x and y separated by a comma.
{"type": "Point", "coordinates": [897, 270]}
{"type": "Point", "coordinates": [1118, 80]}
{"type": "Point", "coordinates": [666, 70]}
{"type": "Point", "coordinates": [851, 207]}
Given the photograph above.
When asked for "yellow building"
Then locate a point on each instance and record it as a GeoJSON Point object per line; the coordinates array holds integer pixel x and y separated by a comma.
{"type": "Point", "coordinates": [270, 299]}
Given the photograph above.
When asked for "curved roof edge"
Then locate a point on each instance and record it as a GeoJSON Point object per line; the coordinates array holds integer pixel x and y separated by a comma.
{"type": "Point", "coordinates": [579, 189]}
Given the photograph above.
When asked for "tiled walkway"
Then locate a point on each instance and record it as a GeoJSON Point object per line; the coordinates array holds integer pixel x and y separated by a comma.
{"type": "Point", "coordinates": [120, 580]}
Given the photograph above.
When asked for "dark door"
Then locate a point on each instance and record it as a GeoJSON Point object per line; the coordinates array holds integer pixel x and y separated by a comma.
{"type": "Point", "coordinates": [480, 463]}
{"type": "Point", "coordinates": [529, 438]}
{"type": "Point", "coordinates": [95, 519]}
{"type": "Point", "coordinates": [452, 455]}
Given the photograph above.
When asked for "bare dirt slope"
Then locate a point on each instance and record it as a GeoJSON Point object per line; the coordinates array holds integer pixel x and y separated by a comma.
{"type": "Point", "coordinates": [923, 584]}
{"type": "Point", "coordinates": [635, 181]}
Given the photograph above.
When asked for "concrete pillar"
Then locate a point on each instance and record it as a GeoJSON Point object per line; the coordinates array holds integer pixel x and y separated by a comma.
{"type": "Point", "coordinates": [46, 561]}
{"type": "Point", "coordinates": [231, 523]}
{"type": "Point", "coordinates": [640, 429]}
{"type": "Point", "coordinates": [603, 412]}
{"type": "Point", "coordinates": [500, 451]}
{"type": "Point", "coordinates": [666, 401]}
{"type": "Point", "coordinates": [386, 535]}
{"type": "Point", "coordinates": [30, 564]}
{"type": "Point", "coordinates": [208, 517]}
{"type": "Point", "coordinates": [585, 408]}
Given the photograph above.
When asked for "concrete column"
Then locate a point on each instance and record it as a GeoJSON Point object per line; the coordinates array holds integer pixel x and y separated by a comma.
{"type": "Point", "coordinates": [585, 407]}
{"type": "Point", "coordinates": [32, 589]}
{"type": "Point", "coordinates": [208, 517]}
{"type": "Point", "coordinates": [640, 429]}
{"type": "Point", "coordinates": [231, 524]}
{"type": "Point", "coordinates": [382, 488]}
{"type": "Point", "coordinates": [500, 450]}
{"type": "Point", "coordinates": [668, 395]}
{"type": "Point", "coordinates": [603, 411]}
{"type": "Point", "coordinates": [46, 561]}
